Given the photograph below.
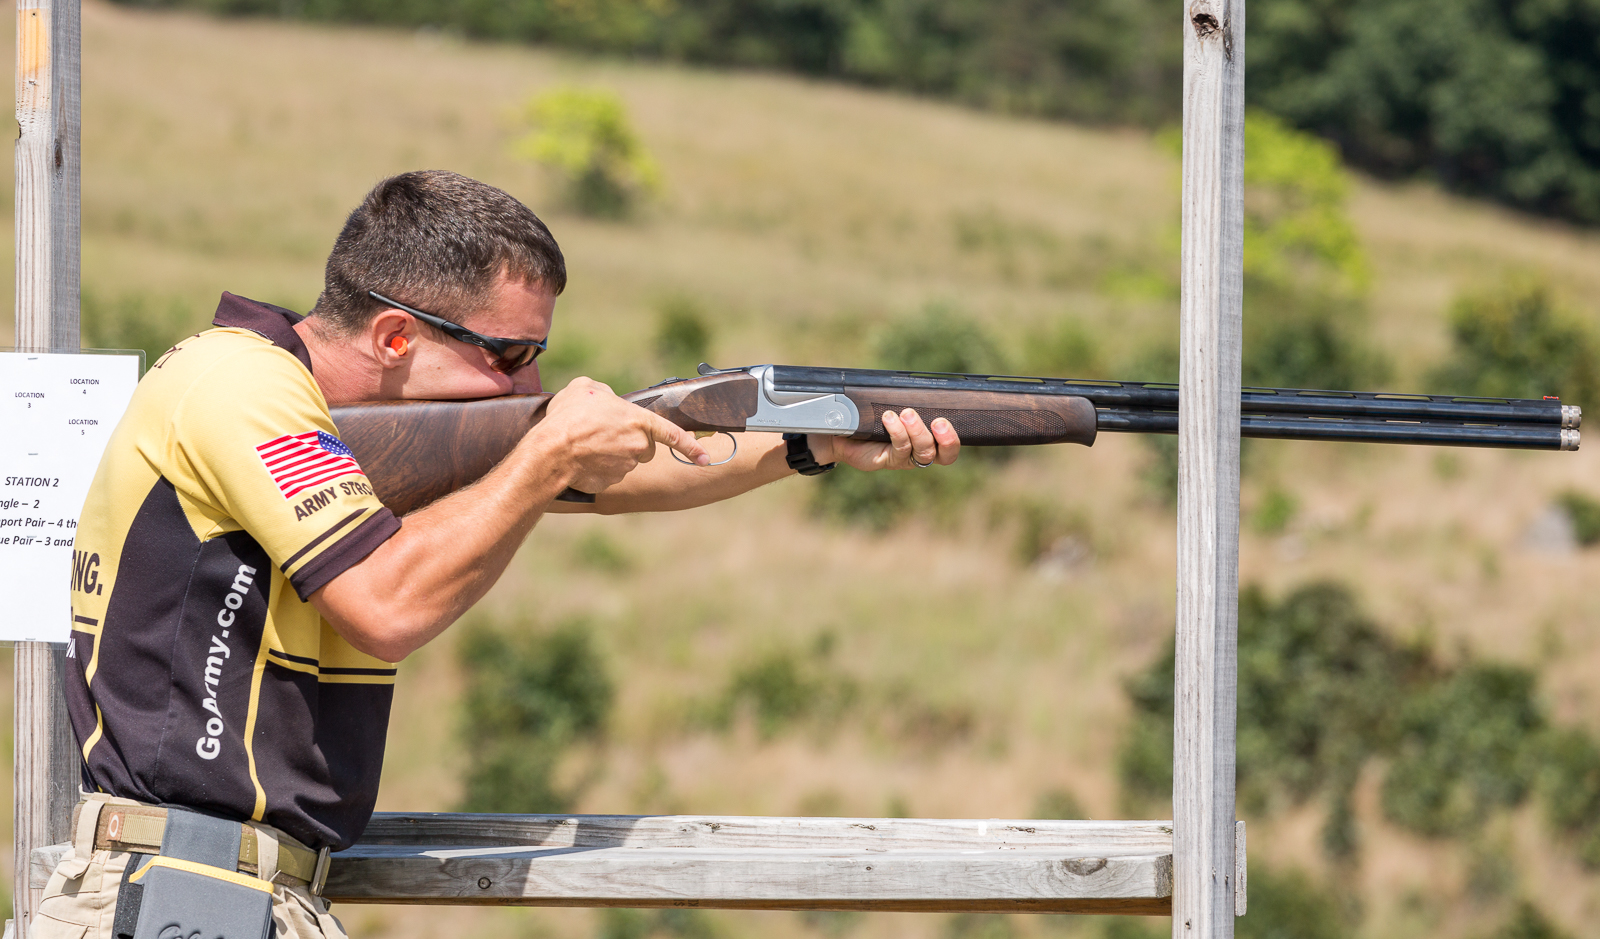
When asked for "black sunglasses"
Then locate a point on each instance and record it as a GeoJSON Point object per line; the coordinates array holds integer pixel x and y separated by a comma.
{"type": "Point", "coordinates": [510, 354]}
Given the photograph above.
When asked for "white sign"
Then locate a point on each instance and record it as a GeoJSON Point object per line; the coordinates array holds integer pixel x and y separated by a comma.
{"type": "Point", "coordinates": [56, 414]}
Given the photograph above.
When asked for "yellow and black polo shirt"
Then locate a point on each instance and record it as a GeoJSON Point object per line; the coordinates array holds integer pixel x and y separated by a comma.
{"type": "Point", "coordinates": [204, 678]}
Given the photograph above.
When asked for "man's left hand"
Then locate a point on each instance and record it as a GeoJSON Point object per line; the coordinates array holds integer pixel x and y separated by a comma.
{"type": "Point", "coordinates": [910, 440]}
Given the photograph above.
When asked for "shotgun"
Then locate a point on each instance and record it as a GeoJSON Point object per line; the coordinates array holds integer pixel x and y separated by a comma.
{"type": "Point", "coordinates": [417, 451]}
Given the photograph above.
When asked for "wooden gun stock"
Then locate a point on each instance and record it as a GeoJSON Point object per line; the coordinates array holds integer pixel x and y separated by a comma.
{"type": "Point", "coordinates": [415, 452]}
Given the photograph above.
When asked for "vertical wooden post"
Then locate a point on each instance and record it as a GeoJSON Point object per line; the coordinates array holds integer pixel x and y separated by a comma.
{"type": "Point", "coordinates": [45, 770]}
{"type": "Point", "coordinates": [1208, 475]}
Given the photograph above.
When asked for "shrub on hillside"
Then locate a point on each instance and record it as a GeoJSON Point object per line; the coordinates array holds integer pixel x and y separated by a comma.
{"type": "Point", "coordinates": [1584, 512]}
{"type": "Point", "coordinates": [1569, 785]}
{"type": "Point", "coordinates": [1322, 690]}
{"type": "Point", "coordinates": [940, 338]}
{"type": "Point", "coordinates": [1304, 271]}
{"type": "Point", "coordinates": [598, 551]}
{"type": "Point", "coordinates": [1468, 746]}
{"type": "Point", "coordinates": [1528, 922]}
{"type": "Point", "coordinates": [530, 696]}
{"type": "Point", "coordinates": [683, 336]}
{"type": "Point", "coordinates": [784, 687]}
{"type": "Point", "coordinates": [584, 136]}
{"type": "Point", "coordinates": [1283, 905]}
{"type": "Point", "coordinates": [1059, 803]}
{"type": "Point", "coordinates": [1290, 904]}
{"type": "Point", "coordinates": [1065, 350]}
{"type": "Point", "coordinates": [1044, 528]}
{"type": "Point", "coordinates": [1513, 341]}
{"type": "Point", "coordinates": [134, 321]}
{"type": "Point", "coordinates": [1319, 684]}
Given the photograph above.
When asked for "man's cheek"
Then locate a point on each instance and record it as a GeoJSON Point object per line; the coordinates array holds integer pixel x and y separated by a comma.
{"type": "Point", "coordinates": [526, 381]}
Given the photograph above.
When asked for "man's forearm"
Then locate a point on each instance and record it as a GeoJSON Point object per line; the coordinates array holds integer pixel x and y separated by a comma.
{"type": "Point", "coordinates": [445, 557]}
{"type": "Point", "coordinates": [666, 485]}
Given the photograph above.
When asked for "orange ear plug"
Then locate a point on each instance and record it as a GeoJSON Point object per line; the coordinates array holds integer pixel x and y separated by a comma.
{"type": "Point", "coordinates": [399, 345]}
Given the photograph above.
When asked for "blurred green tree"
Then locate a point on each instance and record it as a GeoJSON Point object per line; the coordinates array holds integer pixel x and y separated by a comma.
{"type": "Point", "coordinates": [530, 696]}
{"type": "Point", "coordinates": [1513, 341]}
{"type": "Point", "coordinates": [683, 335]}
{"type": "Point", "coordinates": [1528, 922]}
{"type": "Point", "coordinates": [785, 686]}
{"type": "Point", "coordinates": [583, 135]}
{"type": "Point", "coordinates": [1322, 690]}
{"type": "Point", "coordinates": [1584, 512]}
{"type": "Point", "coordinates": [1495, 97]}
{"type": "Point", "coordinates": [1305, 275]}
{"type": "Point", "coordinates": [1319, 685]}
{"type": "Point", "coordinates": [1468, 744]}
{"type": "Point", "coordinates": [941, 338]}
{"type": "Point", "coordinates": [1290, 905]}
{"type": "Point", "coordinates": [1569, 785]}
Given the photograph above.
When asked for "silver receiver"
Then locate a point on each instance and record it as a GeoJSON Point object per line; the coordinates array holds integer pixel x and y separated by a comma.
{"type": "Point", "coordinates": [799, 412]}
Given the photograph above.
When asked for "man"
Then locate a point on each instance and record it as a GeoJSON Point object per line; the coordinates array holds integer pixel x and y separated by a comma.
{"type": "Point", "coordinates": [245, 595]}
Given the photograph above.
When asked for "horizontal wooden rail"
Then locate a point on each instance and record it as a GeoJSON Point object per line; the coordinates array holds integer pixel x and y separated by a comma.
{"type": "Point", "coordinates": [754, 863]}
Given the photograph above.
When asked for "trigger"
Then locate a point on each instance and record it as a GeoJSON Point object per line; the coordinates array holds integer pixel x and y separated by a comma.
{"type": "Point", "coordinates": [703, 434]}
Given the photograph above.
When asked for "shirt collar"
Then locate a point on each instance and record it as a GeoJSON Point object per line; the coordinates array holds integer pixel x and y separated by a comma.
{"type": "Point", "coordinates": [273, 323]}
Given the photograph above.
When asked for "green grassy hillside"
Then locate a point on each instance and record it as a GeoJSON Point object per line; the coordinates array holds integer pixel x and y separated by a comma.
{"type": "Point", "coordinates": [802, 221]}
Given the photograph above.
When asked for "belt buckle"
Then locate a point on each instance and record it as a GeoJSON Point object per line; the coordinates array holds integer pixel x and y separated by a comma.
{"type": "Point", "coordinates": [319, 877]}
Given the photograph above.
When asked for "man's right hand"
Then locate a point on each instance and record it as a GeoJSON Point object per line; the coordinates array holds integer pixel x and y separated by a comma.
{"type": "Point", "coordinates": [604, 438]}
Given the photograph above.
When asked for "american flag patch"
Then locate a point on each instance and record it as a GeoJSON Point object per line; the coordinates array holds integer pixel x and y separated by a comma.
{"type": "Point", "coordinates": [298, 462]}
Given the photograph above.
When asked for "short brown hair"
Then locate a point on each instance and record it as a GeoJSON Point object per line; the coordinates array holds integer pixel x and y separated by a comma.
{"type": "Point", "coordinates": [435, 240]}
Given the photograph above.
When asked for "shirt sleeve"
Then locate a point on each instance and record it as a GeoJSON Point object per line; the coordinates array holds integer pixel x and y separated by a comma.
{"type": "Point", "coordinates": [255, 438]}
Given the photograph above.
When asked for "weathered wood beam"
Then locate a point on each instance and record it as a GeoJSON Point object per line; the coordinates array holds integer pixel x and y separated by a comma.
{"type": "Point", "coordinates": [757, 831]}
{"type": "Point", "coordinates": [756, 863]}
{"type": "Point", "coordinates": [45, 770]}
{"type": "Point", "coordinates": [1062, 881]}
{"type": "Point", "coordinates": [760, 863]}
{"type": "Point", "coordinates": [1210, 345]}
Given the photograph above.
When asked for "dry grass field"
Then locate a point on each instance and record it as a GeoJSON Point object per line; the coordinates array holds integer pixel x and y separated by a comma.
{"type": "Point", "coordinates": [804, 219]}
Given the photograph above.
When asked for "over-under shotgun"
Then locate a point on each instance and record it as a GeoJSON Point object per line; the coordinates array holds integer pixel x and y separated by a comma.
{"type": "Point", "coordinates": [417, 451]}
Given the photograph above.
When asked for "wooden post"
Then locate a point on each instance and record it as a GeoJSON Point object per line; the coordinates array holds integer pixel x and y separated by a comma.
{"type": "Point", "coordinates": [46, 762]}
{"type": "Point", "coordinates": [1204, 877]}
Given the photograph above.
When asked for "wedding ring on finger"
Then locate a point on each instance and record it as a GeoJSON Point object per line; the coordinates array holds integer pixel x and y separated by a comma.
{"type": "Point", "coordinates": [918, 465]}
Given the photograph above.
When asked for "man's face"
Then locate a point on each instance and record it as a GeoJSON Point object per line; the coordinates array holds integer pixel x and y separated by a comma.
{"type": "Point", "coordinates": [447, 368]}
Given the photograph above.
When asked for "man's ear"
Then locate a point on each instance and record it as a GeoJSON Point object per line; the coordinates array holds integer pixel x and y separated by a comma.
{"type": "Point", "coordinates": [392, 338]}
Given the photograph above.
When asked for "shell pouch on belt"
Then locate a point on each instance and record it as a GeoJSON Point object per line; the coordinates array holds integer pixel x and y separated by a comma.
{"type": "Point", "coordinates": [194, 888]}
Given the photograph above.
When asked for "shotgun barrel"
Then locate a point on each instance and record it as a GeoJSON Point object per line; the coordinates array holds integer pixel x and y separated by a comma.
{"type": "Point", "coordinates": [1357, 430]}
{"type": "Point", "coordinates": [1162, 396]}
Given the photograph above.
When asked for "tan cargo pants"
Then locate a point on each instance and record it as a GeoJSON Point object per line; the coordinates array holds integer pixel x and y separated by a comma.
{"type": "Point", "coordinates": [81, 899]}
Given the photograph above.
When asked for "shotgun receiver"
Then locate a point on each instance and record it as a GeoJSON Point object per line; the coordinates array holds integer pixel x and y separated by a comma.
{"type": "Point", "coordinates": [417, 451]}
